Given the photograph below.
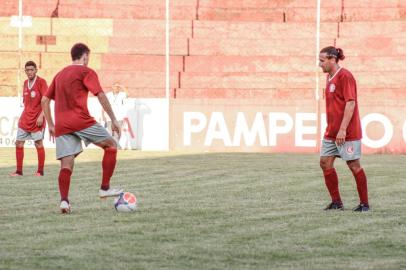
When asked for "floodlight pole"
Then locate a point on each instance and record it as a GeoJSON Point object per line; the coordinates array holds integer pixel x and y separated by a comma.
{"type": "Point", "coordinates": [167, 71]}
{"type": "Point", "coordinates": [317, 88]}
{"type": "Point", "coordinates": [20, 48]}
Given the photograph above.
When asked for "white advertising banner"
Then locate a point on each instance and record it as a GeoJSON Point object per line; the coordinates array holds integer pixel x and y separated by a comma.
{"type": "Point", "coordinates": [145, 126]}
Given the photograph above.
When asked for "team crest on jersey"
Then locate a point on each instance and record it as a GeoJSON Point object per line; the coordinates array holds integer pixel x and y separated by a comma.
{"type": "Point", "coordinates": [33, 94]}
{"type": "Point", "coordinates": [332, 87]}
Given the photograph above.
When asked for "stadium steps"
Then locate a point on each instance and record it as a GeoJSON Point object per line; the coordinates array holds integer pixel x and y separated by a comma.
{"type": "Point", "coordinates": [246, 80]}
{"type": "Point", "coordinates": [260, 30]}
{"type": "Point", "coordinates": [129, 62]}
{"type": "Point", "coordinates": [252, 64]}
{"type": "Point", "coordinates": [138, 9]}
{"type": "Point", "coordinates": [280, 80]}
{"type": "Point", "coordinates": [249, 64]}
{"type": "Point", "coordinates": [179, 29]}
{"type": "Point", "coordinates": [254, 47]}
{"type": "Point", "coordinates": [147, 46]}
{"type": "Point", "coordinates": [45, 60]}
{"type": "Point", "coordinates": [236, 93]}
{"type": "Point", "coordinates": [137, 79]}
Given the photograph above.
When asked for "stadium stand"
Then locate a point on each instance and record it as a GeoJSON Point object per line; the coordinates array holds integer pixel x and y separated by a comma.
{"type": "Point", "coordinates": [219, 48]}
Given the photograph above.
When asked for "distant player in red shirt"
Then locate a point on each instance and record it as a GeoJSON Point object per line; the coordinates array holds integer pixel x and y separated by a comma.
{"type": "Point", "coordinates": [73, 123]}
{"type": "Point", "coordinates": [32, 123]}
{"type": "Point", "coordinates": [343, 133]}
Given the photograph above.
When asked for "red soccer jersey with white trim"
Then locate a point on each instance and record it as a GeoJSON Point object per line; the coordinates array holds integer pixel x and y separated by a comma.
{"type": "Point", "coordinates": [340, 89]}
{"type": "Point", "coordinates": [32, 105]}
{"type": "Point", "coordinates": [70, 89]}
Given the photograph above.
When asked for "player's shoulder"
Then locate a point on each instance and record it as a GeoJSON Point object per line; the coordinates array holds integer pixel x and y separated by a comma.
{"type": "Point", "coordinates": [345, 74]}
{"type": "Point", "coordinates": [41, 80]}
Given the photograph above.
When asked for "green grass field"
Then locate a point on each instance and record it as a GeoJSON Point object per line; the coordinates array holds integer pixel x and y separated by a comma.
{"type": "Point", "coordinates": [203, 211]}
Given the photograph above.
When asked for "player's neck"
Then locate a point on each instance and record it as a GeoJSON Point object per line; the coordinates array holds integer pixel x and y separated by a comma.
{"type": "Point", "coordinates": [31, 82]}
{"type": "Point", "coordinates": [33, 79]}
{"type": "Point", "coordinates": [334, 70]}
{"type": "Point", "coordinates": [78, 62]}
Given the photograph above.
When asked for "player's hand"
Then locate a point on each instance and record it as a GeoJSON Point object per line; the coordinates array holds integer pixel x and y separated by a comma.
{"type": "Point", "coordinates": [116, 128]}
{"type": "Point", "coordinates": [340, 139]}
{"type": "Point", "coordinates": [52, 133]}
{"type": "Point", "coordinates": [40, 121]}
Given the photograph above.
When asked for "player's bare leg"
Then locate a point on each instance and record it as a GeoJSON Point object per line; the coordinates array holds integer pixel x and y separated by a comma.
{"type": "Point", "coordinates": [19, 158]}
{"type": "Point", "coordinates": [41, 157]}
{"type": "Point", "coordinates": [362, 185]}
{"type": "Point", "coordinates": [65, 173]}
{"type": "Point", "coordinates": [331, 180]}
{"type": "Point", "coordinates": [108, 164]}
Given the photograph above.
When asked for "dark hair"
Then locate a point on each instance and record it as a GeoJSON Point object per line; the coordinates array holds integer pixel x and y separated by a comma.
{"type": "Point", "coordinates": [333, 52]}
{"type": "Point", "coordinates": [78, 50]}
{"type": "Point", "coordinates": [31, 64]}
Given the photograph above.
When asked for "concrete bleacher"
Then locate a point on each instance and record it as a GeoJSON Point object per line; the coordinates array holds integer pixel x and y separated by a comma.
{"type": "Point", "coordinates": [219, 48]}
{"type": "Point", "coordinates": [240, 45]}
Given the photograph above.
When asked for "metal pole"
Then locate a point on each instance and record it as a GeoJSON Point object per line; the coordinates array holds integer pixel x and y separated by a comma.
{"type": "Point", "coordinates": [20, 48]}
{"type": "Point", "coordinates": [317, 90]}
{"type": "Point", "coordinates": [167, 71]}
{"type": "Point", "coordinates": [167, 49]}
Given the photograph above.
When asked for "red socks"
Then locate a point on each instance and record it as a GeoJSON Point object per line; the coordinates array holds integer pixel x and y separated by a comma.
{"type": "Point", "coordinates": [331, 179]}
{"type": "Point", "coordinates": [362, 186]}
{"type": "Point", "coordinates": [19, 159]}
{"type": "Point", "coordinates": [64, 182]}
{"type": "Point", "coordinates": [41, 159]}
{"type": "Point", "coordinates": [108, 165]}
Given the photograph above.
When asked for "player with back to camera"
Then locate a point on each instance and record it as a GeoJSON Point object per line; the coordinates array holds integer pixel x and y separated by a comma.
{"type": "Point", "coordinates": [73, 123]}
{"type": "Point", "coordinates": [343, 134]}
{"type": "Point", "coordinates": [32, 123]}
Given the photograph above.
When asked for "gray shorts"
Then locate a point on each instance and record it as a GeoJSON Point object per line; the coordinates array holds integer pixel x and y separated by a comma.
{"type": "Point", "coordinates": [350, 150]}
{"type": "Point", "coordinates": [23, 135]}
{"type": "Point", "coordinates": [71, 144]}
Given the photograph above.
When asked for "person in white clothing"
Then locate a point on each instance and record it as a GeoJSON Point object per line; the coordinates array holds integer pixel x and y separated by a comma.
{"type": "Point", "coordinates": [117, 98]}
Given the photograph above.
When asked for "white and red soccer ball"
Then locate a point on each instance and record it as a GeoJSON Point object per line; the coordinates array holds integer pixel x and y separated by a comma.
{"type": "Point", "coordinates": [125, 202]}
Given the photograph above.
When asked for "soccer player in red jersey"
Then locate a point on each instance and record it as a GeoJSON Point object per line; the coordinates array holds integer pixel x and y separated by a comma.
{"type": "Point", "coordinates": [32, 123]}
{"type": "Point", "coordinates": [73, 123]}
{"type": "Point", "coordinates": [343, 133]}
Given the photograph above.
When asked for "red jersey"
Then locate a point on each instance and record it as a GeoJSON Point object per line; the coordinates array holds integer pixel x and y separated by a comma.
{"type": "Point", "coordinates": [70, 89]}
{"type": "Point", "coordinates": [32, 105]}
{"type": "Point", "coordinates": [340, 89]}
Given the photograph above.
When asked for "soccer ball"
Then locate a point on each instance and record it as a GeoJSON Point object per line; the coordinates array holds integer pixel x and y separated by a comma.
{"type": "Point", "coordinates": [125, 202]}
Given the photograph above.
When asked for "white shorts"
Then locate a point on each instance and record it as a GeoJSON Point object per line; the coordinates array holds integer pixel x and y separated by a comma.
{"type": "Point", "coordinates": [350, 150]}
{"type": "Point", "coordinates": [71, 144]}
{"type": "Point", "coordinates": [23, 135]}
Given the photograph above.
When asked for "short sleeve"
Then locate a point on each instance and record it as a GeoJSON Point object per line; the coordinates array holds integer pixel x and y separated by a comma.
{"type": "Point", "coordinates": [50, 93]}
{"type": "Point", "coordinates": [44, 87]}
{"type": "Point", "coordinates": [91, 81]}
{"type": "Point", "coordinates": [349, 88]}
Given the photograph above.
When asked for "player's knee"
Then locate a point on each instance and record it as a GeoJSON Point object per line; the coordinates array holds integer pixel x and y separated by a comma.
{"type": "Point", "coordinates": [355, 167]}
{"type": "Point", "coordinates": [112, 144]}
{"type": "Point", "coordinates": [20, 144]}
{"type": "Point", "coordinates": [39, 144]}
{"type": "Point", "coordinates": [323, 164]}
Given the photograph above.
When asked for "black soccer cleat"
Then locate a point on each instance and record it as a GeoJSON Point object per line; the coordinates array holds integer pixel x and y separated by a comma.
{"type": "Point", "coordinates": [361, 208]}
{"type": "Point", "coordinates": [335, 206]}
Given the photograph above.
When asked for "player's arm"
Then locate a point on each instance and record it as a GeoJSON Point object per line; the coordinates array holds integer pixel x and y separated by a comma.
{"type": "Point", "coordinates": [104, 102]}
{"type": "Point", "coordinates": [348, 112]}
{"type": "Point", "coordinates": [46, 109]}
{"type": "Point", "coordinates": [40, 119]}
{"type": "Point", "coordinates": [43, 90]}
